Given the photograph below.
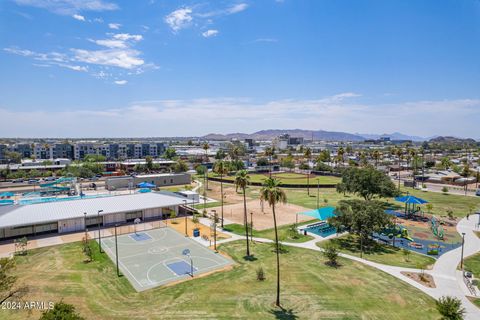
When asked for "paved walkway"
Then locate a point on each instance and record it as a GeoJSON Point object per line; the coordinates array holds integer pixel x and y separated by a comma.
{"type": "Point", "coordinates": [448, 280]}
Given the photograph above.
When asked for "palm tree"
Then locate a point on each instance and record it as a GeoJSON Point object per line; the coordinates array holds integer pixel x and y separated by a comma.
{"type": "Point", "coordinates": [450, 308]}
{"type": "Point", "coordinates": [241, 181]}
{"type": "Point", "coordinates": [340, 154]}
{"type": "Point", "coordinates": [399, 153]}
{"type": "Point", "coordinates": [272, 193]}
{"type": "Point", "coordinates": [205, 147]}
{"type": "Point", "coordinates": [308, 155]}
{"type": "Point", "coordinates": [376, 157]}
{"type": "Point", "coordinates": [270, 152]}
{"type": "Point", "coordinates": [221, 169]}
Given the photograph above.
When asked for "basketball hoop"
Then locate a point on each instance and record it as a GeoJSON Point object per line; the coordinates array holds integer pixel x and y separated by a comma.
{"type": "Point", "coordinates": [136, 222]}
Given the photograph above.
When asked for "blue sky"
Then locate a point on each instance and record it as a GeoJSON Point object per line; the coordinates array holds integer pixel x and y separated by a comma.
{"type": "Point", "coordinates": [82, 68]}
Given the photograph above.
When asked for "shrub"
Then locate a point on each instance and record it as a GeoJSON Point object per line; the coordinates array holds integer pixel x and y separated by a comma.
{"type": "Point", "coordinates": [260, 274]}
{"type": "Point", "coordinates": [432, 252]}
{"type": "Point", "coordinates": [445, 190]}
{"type": "Point", "coordinates": [406, 254]}
{"type": "Point", "coordinates": [450, 308]}
{"type": "Point", "coordinates": [331, 253]}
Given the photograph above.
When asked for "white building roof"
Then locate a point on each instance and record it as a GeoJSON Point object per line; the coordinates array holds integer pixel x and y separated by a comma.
{"type": "Point", "coordinates": [19, 215]}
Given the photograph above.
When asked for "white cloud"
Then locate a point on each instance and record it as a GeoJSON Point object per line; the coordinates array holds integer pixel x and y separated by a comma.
{"type": "Point", "coordinates": [127, 36]}
{"type": "Point", "coordinates": [237, 8]}
{"type": "Point", "coordinates": [69, 7]}
{"type": "Point", "coordinates": [115, 26]}
{"type": "Point", "coordinates": [111, 43]}
{"type": "Point", "coordinates": [74, 68]}
{"type": "Point", "coordinates": [340, 112]}
{"type": "Point", "coordinates": [121, 82]}
{"type": "Point", "coordinates": [210, 33]}
{"type": "Point", "coordinates": [266, 40]}
{"type": "Point", "coordinates": [78, 17]}
{"type": "Point", "coordinates": [122, 58]}
{"type": "Point", "coordinates": [179, 18]}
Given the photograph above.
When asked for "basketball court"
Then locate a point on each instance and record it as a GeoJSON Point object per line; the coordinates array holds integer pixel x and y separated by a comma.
{"type": "Point", "coordinates": [160, 256]}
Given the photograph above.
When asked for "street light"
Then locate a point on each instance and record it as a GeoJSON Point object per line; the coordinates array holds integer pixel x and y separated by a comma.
{"type": "Point", "coordinates": [463, 243]}
{"type": "Point", "coordinates": [116, 249]}
{"type": "Point", "coordinates": [318, 192]}
{"type": "Point", "coordinates": [186, 231]}
{"type": "Point", "coordinates": [251, 226]}
{"type": "Point", "coordinates": [85, 225]}
{"type": "Point", "coordinates": [99, 235]}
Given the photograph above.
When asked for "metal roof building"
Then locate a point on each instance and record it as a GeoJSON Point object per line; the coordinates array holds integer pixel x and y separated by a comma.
{"type": "Point", "coordinates": [69, 216]}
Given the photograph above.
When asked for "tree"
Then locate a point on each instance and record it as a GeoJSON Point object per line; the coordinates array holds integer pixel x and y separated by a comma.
{"type": "Point", "coordinates": [446, 162]}
{"type": "Point", "coordinates": [320, 166]}
{"type": "Point", "coordinates": [262, 162]}
{"type": "Point", "coordinates": [180, 166]}
{"type": "Point", "coordinates": [61, 311]}
{"type": "Point", "coordinates": [361, 218]}
{"type": "Point", "coordinates": [376, 157]}
{"type": "Point", "coordinates": [324, 156]}
{"type": "Point", "coordinates": [221, 169]}
{"type": "Point", "coordinates": [450, 308]}
{"type": "Point", "coordinates": [340, 154]}
{"type": "Point", "coordinates": [13, 157]}
{"type": "Point", "coordinates": [287, 162]}
{"type": "Point", "coordinates": [220, 155]}
{"type": "Point", "coordinates": [270, 152]}
{"type": "Point", "coordinates": [149, 163]}
{"type": "Point", "coordinates": [8, 287]}
{"type": "Point", "coordinates": [169, 153]}
{"type": "Point", "coordinates": [331, 253]}
{"type": "Point", "coordinates": [367, 183]}
{"type": "Point", "coordinates": [205, 147]}
{"type": "Point", "coordinates": [273, 194]}
{"type": "Point", "coordinates": [241, 181]}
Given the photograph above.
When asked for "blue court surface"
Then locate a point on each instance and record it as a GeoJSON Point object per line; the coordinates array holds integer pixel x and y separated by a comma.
{"type": "Point", "coordinates": [156, 257]}
{"type": "Point", "coordinates": [140, 236]}
{"type": "Point", "coordinates": [181, 268]}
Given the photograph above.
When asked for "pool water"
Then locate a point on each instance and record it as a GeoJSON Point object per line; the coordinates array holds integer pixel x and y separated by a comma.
{"type": "Point", "coordinates": [321, 229]}
{"type": "Point", "coordinates": [52, 199]}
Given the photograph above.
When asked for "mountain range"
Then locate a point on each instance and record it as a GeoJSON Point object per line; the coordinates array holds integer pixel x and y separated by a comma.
{"type": "Point", "coordinates": [309, 134]}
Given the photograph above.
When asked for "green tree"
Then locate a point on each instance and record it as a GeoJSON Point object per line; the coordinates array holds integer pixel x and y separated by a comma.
{"type": "Point", "coordinates": [61, 311]}
{"type": "Point", "coordinates": [287, 162]}
{"type": "Point", "coordinates": [169, 153]}
{"type": "Point", "coordinates": [270, 153]}
{"type": "Point", "coordinates": [273, 194]}
{"type": "Point", "coordinates": [221, 169]}
{"type": "Point", "coordinates": [361, 218]}
{"type": "Point", "coordinates": [331, 253]}
{"type": "Point", "coordinates": [149, 163]}
{"type": "Point", "coordinates": [450, 308]}
{"type": "Point", "coordinates": [367, 183]}
{"type": "Point", "coordinates": [242, 179]}
{"type": "Point", "coordinates": [8, 282]}
{"type": "Point", "coordinates": [324, 156]}
{"type": "Point", "coordinates": [180, 166]}
{"type": "Point", "coordinates": [13, 157]}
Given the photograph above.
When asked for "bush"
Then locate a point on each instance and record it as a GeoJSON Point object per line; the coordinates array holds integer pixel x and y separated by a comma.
{"type": "Point", "coordinates": [432, 252]}
{"type": "Point", "coordinates": [331, 253]}
{"type": "Point", "coordinates": [450, 308]}
{"type": "Point", "coordinates": [61, 311]}
{"type": "Point", "coordinates": [260, 274]}
{"type": "Point", "coordinates": [445, 190]}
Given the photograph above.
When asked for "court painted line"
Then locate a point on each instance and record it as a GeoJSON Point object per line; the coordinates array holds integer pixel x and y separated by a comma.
{"type": "Point", "coordinates": [124, 267]}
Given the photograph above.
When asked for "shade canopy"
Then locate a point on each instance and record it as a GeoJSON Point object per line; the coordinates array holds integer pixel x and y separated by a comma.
{"type": "Point", "coordinates": [7, 194]}
{"type": "Point", "coordinates": [411, 200]}
{"type": "Point", "coordinates": [145, 185]}
{"type": "Point", "coordinates": [321, 213]}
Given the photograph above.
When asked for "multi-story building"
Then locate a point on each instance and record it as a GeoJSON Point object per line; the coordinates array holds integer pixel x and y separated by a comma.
{"type": "Point", "coordinates": [42, 151]}
{"type": "Point", "coordinates": [83, 149]}
{"type": "Point", "coordinates": [3, 152]}
{"type": "Point", "coordinates": [25, 149]}
{"type": "Point", "coordinates": [62, 150]}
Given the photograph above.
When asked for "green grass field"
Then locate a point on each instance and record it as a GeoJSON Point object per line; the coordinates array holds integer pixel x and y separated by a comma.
{"type": "Point", "coordinates": [284, 233]}
{"type": "Point", "coordinates": [310, 289]}
{"type": "Point", "coordinates": [380, 253]}
{"type": "Point", "coordinates": [290, 178]}
{"type": "Point", "coordinates": [472, 264]}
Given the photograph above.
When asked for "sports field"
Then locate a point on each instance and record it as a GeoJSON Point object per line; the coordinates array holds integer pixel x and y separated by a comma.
{"type": "Point", "coordinates": [160, 256]}
{"type": "Point", "coordinates": [287, 178]}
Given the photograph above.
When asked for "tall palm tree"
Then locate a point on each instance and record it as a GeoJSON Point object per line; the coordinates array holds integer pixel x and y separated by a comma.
{"type": "Point", "coordinates": [270, 152]}
{"type": "Point", "coordinates": [273, 194]}
{"type": "Point", "coordinates": [399, 153]}
{"type": "Point", "coordinates": [376, 157]}
{"type": "Point", "coordinates": [340, 154]}
{"type": "Point", "coordinates": [221, 169]}
{"type": "Point", "coordinates": [205, 147]}
{"type": "Point", "coordinates": [308, 155]}
{"type": "Point", "coordinates": [242, 179]}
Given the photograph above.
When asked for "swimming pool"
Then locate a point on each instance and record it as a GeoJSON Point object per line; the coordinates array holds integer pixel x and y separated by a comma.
{"type": "Point", "coordinates": [322, 229]}
{"type": "Point", "coordinates": [52, 199]}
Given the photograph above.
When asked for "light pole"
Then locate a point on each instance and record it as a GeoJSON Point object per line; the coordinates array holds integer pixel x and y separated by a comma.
{"type": "Point", "coordinates": [116, 249]}
{"type": "Point", "coordinates": [186, 231]}
{"type": "Point", "coordinates": [463, 244]}
{"type": "Point", "coordinates": [318, 193]}
{"type": "Point", "coordinates": [85, 224]}
{"type": "Point", "coordinates": [99, 235]}
{"type": "Point", "coordinates": [251, 226]}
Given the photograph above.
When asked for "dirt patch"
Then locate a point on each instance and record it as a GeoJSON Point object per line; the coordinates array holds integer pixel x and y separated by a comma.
{"type": "Point", "coordinates": [396, 298]}
{"type": "Point", "coordinates": [426, 279]}
{"type": "Point", "coordinates": [262, 216]}
{"type": "Point", "coordinates": [231, 195]}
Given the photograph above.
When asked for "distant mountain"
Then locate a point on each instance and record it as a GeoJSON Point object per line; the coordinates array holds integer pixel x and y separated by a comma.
{"type": "Point", "coordinates": [393, 136]}
{"type": "Point", "coordinates": [452, 140]}
{"type": "Point", "coordinates": [273, 133]}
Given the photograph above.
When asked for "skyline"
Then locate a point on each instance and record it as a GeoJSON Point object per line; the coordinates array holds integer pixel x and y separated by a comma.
{"type": "Point", "coordinates": [99, 68]}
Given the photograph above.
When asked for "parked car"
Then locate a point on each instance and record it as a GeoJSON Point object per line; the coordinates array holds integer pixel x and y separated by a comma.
{"type": "Point", "coordinates": [32, 181]}
{"type": "Point", "coordinates": [50, 179]}
{"type": "Point", "coordinates": [17, 180]}
{"type": "Point", "coordinates": [477, 193]}
{"type": "Point", "coordinates": [98, 175]}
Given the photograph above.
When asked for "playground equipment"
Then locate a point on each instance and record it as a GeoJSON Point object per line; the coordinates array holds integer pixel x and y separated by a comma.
{"type": "Point", "coordinates": [437, 228]}
{"type": "Point", "coordinates": [63, 184]}
{"type": "Point", "coordinates": [397, 231]}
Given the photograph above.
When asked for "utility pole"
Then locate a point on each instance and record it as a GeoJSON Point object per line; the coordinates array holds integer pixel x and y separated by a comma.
{"type": "Point", "coordinates": [116, 249]}
{"type": "Point", "coordinates": [99, 235]}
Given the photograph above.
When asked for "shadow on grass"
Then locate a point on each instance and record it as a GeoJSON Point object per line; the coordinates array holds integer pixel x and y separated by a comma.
{"type": "Point", "coordinates": [250, 258]}
{"type": "Point", "coordinates": [369, 247]}
{"type": "Point", "coordinates": [282, 313]}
